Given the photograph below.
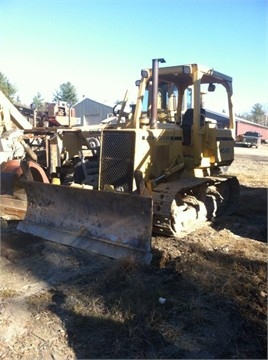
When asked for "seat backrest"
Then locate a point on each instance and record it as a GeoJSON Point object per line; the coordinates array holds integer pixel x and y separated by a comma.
{"type": "Point", "coordinates": [186, 125]}
{"type": "Point", "coordinates": [187, 122]}
{"type": "Point", "coordinates": [187, 118]}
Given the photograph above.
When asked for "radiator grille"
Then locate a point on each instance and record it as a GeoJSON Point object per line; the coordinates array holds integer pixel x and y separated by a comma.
{"type": "Point", "coordinates": [117, 162]}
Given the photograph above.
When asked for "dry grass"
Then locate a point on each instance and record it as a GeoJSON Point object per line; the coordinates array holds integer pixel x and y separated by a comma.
{"type": "Point", "coordinates": [122, 304]}
{"type": "Point", "coordinates": [6, 292]}
{"type": "Point", "coordinates": [114, 312]}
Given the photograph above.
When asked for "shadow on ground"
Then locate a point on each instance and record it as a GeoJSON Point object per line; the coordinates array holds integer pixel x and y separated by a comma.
{"type": "Point", "coordinates": [111, 309]}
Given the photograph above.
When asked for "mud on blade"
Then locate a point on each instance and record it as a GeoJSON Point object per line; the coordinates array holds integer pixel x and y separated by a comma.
{"type": "Point", "coordinates": [112, 224]}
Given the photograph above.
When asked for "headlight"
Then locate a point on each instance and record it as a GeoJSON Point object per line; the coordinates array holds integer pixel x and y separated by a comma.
{"type": "Point", "coordinates": [186, 70]}
{"type": "Point", "coordinates": [145, 73]}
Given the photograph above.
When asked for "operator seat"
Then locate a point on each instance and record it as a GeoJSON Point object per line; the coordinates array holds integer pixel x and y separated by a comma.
{"type": "Point", "coordinates": [187, 122]}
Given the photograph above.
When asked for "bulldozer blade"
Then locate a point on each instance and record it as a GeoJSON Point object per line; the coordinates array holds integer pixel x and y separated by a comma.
{"type": "Point", "coordinates": [116, 225]}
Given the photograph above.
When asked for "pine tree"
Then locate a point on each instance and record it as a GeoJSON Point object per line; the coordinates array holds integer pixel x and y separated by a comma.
{"type": "Point", "coordinates": [66, 92]}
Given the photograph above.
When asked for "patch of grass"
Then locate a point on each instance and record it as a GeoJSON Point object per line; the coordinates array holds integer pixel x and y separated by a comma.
{"type": "Point", "coordinates": [40, 302]}
{"type": "Point", "coordinates": [8, 293]}
{"type": "Point", "coordinates": [120, 272]}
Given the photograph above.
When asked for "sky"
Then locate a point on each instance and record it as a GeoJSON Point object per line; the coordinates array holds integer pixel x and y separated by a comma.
{"type": "Point", "coordinates": [100, 46]}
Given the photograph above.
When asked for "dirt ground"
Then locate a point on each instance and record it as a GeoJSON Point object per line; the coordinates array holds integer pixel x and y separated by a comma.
{"type": "Point", "coordinates": [203, 297]}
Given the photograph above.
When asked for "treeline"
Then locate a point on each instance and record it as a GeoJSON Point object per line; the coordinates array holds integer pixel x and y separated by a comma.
{"type": "Point", "coordinates": [258, 114]}
{"type": "Point", "coordinates": [66, 92]}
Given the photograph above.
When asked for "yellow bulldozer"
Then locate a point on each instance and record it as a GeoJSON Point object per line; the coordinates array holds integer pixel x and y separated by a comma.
{"type": "Point", "coordinates": [159, 171]}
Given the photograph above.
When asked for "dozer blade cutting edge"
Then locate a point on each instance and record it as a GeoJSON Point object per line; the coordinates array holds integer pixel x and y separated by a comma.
{"type": "Point", "coordinates": [116, 225]}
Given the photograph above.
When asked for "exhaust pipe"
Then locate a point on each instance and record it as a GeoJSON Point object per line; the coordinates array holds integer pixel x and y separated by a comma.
{"type": "Point", "coordinates": [155, 67]}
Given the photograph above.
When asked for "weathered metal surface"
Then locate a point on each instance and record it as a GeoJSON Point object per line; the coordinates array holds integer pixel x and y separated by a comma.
{"type": "Point", "coordinates": [12, 209]}
{"type": "Point", "coordinates": [14, 115]}
{"type": "Point", "coordinates": [13, 201]}
{"type": "Point", "coordinates": [179, 204]}
{"type": "Point", "coordinates": [112, 224]}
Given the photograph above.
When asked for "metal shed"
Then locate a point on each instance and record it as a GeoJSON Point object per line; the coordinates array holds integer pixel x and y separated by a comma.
{"type": "Point", "coordinates": [91, 112]}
